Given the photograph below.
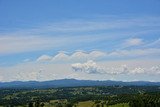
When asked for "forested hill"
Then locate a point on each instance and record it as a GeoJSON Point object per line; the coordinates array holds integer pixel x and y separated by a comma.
{"type": "Point", "coordinates": [72, 83]}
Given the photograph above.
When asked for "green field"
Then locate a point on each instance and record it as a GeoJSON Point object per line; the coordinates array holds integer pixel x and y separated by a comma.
{"type": "Point", "coordinates": [92, 104]}
{"type": "Point", "coordinates": [120, 105]}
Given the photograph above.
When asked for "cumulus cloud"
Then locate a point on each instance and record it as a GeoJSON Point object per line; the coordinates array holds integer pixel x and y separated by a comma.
{"type": "Point", "coordinates": [92, 67]}
{"type": "Point", "coordinates": [155, 69]}
{"type": "Point", "coordinates": [123, 69]}
{"type": "Point", "coordinates": [88, 67]}
{"type": "Point", "coordinates": [138, 70]}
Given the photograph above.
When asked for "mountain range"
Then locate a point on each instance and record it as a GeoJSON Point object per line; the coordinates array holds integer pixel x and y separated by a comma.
{"type": "Point", "coordinates": [72, 83]}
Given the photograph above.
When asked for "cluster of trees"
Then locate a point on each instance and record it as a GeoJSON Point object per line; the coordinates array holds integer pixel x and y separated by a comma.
{"type": "Point", "coordinates": [145, 101]}
{"type": "Point", "coordinates": [36, 104]}
{"type": "Point", "coordinates": [56, 104]}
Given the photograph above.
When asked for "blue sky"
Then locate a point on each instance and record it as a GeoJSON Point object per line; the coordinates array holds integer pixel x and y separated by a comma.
{"type": "Point", "coordinates": [86, 38]}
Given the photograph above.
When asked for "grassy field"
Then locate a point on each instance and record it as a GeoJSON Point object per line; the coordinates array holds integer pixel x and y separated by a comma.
{"type": "Point", "coordinates": [92, 104]}
{"type": "Point", "coordinates": [120, 105]}
{"type": "Point", "coordinates": [86, 104]}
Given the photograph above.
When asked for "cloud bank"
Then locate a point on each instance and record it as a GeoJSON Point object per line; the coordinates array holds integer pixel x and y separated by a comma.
{"type": "Point", "coordinates": [91, 67]}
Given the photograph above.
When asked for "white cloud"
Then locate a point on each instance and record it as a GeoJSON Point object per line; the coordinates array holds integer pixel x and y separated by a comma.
{"type": "Point", "coordinates": [78, 56]}
{"type": "Point", "coordinates": [97, 54]}
{"type": "Point", "coordinates": [26, 60]}
{"type": "Point", "coordinates": [10, 44]}
{"type": "Point", "coordinates": [94, 70]}
{"type": "Point", "coordinates": [135, 53]}
{"type": "Point", "coordinates": [44, 58]}
{"type": "Point", "coordinates": [123, 69]}
{"type": "Point", "coordinates": [35, 75]}
{"type": "Point", "coordinates": [88, 67]}
{"type": "Point", "coordinates": [133, 42]}
{"type": "Point", "coordinates": [1, 78]}
{"type": "Point", "coordinates": [58, 35]}
{"type": "Point", "coordinates": [113, 22]}
{"type": "Point", "coordinates": [138, 70]}
{"type": "Point", "coordinates": [154, 70]}
{"type": "Point", "coordinates": [16, 44]}
{"type": "Point", "coordinates": [60, 57]}
{"type": "Point", "coordinates": [84, 56]}
{"type": "Point", "coordinates": [81, 56]}
{"type": "Point", "coordinates": [32, 76]}
{"type": "Point", "coordinates": [91, 67]}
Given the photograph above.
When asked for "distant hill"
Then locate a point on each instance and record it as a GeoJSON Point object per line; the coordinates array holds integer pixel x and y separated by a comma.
{"type": "Point", "coordinates": [72, 83]}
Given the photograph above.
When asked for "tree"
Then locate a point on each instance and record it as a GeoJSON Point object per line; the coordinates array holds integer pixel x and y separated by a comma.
{"type": "Point", "coordinates": [68, 105]}
{"type": "Point", "coordinates": [97, 105]}
{"type": "Point", "coordinates": [30, 104]}
{"type": "Point", "coordinates": [37, 104]}
{"type": "Point", "coordinates": [42, 104]}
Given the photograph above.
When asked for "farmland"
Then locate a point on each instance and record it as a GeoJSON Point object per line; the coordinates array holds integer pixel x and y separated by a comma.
{"type": "Point", "coordinates": [91, 96]}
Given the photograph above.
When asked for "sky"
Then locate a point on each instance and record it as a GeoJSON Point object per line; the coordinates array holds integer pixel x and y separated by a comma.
{"type": "Point", "coordinates": [43, 40]}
